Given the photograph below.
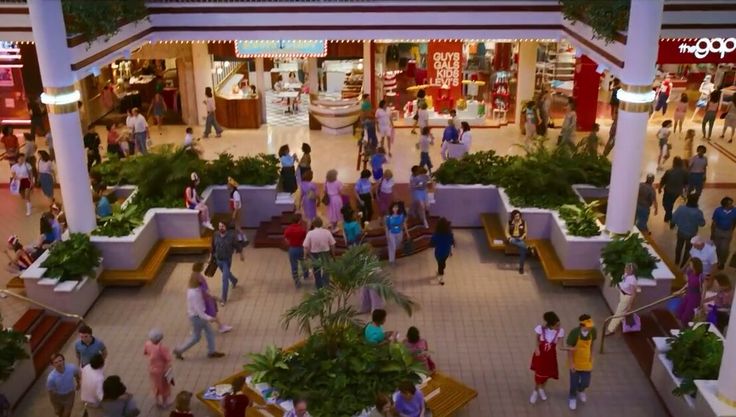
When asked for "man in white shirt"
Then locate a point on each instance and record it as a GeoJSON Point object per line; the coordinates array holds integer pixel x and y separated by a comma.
{"type": "Point", "coordinates": [706, 252]}
{"type": "Point", "coordinates": [318, 244]}
{"type": "Point", "coordinates": [200, 321]}
{"type": "Point", "coordinates": [140, 131]}
{"type": "Point", "coordinates": [453, 150]}
{"type": "Point", "coordinates": [90, 391]}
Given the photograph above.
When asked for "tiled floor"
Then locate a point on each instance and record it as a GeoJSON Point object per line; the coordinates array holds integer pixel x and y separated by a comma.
{"type": "Point", "coordinates": [478, 325]}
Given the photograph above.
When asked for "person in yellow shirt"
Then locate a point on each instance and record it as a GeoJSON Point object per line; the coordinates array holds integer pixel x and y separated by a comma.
{"type": "Point", "coordinates": [580, 358]}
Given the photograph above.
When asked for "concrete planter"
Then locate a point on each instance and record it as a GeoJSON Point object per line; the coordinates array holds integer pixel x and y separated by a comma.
{"type": "Point", "coordinates": [705, 404]}
{"type": "Point", "coordinates": [463, 204]}
{"type": "Point", "coordinates": [651, 289]}
{"type": "Point", "coordinates": [259, 203]}
{"type": "Point", "coordinates": [75, 297]}
{"type": "Point", "coordinates": [20, 379]}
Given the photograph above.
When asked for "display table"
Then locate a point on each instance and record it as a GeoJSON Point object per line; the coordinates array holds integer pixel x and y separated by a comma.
{"type": "Point", "coordinates": [237, 110]}
{"type": "Point", "coordinates": [255, 398]}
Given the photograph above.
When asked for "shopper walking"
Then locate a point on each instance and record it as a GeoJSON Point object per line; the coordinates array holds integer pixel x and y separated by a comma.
{"type": "Point", "coordinates": [140, 131]}
{"type": "Point", "coordinates": [544, 359]}
{"type": "Point", "coordinates": [687, 146]}
{"type": "Point", "coordinates": [333, 199]}
{"type": "Point", "coordinates": [663, 143]}
{"type": "Point", "coordinates": [680, 112]}
{"type": "Point", "coordinates": [21, 180]}
{"type": "Point", "coordinates": [721, 230]}
{"type": "Point", "coordinates": [663, 94]}
{"type": "Point", "coordinates": [532, 119]}
{"type": "Point", "coordinates": [159, 367]}
{"type": "Point", "coordinates": [395, 224]}
{"type": "Point", "coordinates": [210, 301]}
{"type": "Point", "coordinates": [378, 159]}
{"type": "Point", "coordinates": [92, 145]}
{"type": "Point", "coordinates": [62, 383]}
{"type": "Point", "coordinates": [305, 162]}
{"type": "Point", "coordinates": [363, 195]}
{"type": "Point", "coordinates": [199, 320]}
{"type": "Point", "coordinates": [113, 141]}
{"type": "Point", "coordinates": [627, 287]}
{"type": "Point", "coordinates": [418, 184]}
{"type": "Point", "coordinates": [235, 204]}
{"type": "Point", "coordinates": [211, 121]}
{"type": "Point", "coordinates": [646, 198]}
{"type": "Point", "coordinates": [310, 198]}
{"type": "Point", "coordinates": [385, 192]}
{"type": "Point", "coordinates": [352, 233]}
{"type": "Point", "coordinates": [697, 168]}
{"type": "Point", "coordinates": [569, 124]}
{"type": "Point", "coordinates": [693, 291]}
{"type": "Point", "coordinates": [544, 104]}
{"type": "Point", "coordinates": [687, 219]}
{"type": "Point", "coordinates": [614, 100]}
{"type": "Point", "coordinates": [425, 141]}
{"type": "Point", "coordinates": [580, 359]}
{"type": "Point", "coordinates": [450, 133]}
{"type": "Point", "coordinates": [319, 245]}
{"type": "Point", "coordinates": [116, 400]}
{"type": "Point", "coordinates": [223, 246]}
{"type": "Point", "coordinates": [30, 149]}
{"type": "Point", "coordinates": [443, 242]}
{"type": "Point", "coordinates": [516, 235]}
{"type": "Point", "coordinates": [90, 391]}
{"type": "Point", "coordinates": [88, 346]}
{"type": "Point", "coordinates": [674, 184]}
{"type": "Point", "coordinates": [385, 125]}
{"type": "Point", "coordinates": [729, 120]}
{"type": "Point", "coordinates": [158, 108]}
{"type": "Point", "coordinates": [294, 236]}
{"type": "Point", "coordinates": [466, 138]}
{"type": "Point", "coordinates": [11, 144]}
{"type": "Point", "coordinates": [287, 180]}
{"type": "Point", "coordinates": [711, 111]}
{"type": "Point", "coordinates": [706, 252]}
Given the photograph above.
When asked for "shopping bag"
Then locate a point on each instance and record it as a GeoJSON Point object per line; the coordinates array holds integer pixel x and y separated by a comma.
{"type": "Point", "coordinates": [15, 186]}
{"type": "Point", "coordinates": [632, 323]}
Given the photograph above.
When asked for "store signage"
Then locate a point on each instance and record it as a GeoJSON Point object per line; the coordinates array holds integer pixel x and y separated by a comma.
{"type": "Point", "coordinates": [444, 66]}
{"type": "Point", "coordinates": [697, 51]}
{"type": "Point", "coordinates": [280, 49]}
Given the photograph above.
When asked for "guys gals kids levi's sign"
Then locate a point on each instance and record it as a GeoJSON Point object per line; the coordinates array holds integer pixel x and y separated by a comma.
{"type": "Point", "coordinates": [694, 51]}
{"type": "Point", "coordinates": [444, 65]}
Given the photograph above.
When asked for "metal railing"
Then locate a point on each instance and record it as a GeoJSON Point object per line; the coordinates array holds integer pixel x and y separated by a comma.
{"type": "Point", "coordinates": [652, 304]}
{"type": "Point", "coordinates": [76, 317]}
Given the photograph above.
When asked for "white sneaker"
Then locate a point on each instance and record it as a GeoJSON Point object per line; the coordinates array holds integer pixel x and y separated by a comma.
{"type": "Point", "coordinates": [208, 225]}
{"type": "Point", "coordinates": [533, 398]}
{"type": "Point", "coordinates": [225, 328]}
{"type": "Point", "coordinates": [583, 397]}
{"type": "Point", "coordinates": [573, 404]}
{"type": "Point", "coordinates": [542, 394]}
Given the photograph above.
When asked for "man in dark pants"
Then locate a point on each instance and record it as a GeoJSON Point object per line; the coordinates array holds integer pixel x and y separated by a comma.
{"type": "Point", "coordinates": [721, 230]}
{"type": "Point", "coordinates": [673, 184]}
{"type": "Point", "coordinates": [92, 144]}
{"type": "Point", "coordinates": [687, 218]}
{"type": "Point", "coordinates": [223, 246]}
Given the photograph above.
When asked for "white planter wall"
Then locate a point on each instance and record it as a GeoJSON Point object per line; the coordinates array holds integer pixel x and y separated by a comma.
{"type": "Point", "coordinates": [259, 203]}
{"type": "Point", "coordinates": [463, 204]}
{"type": "Point", "coordinates": [20, 379]}
{"type": "Point", "coordinates": [128, 252]}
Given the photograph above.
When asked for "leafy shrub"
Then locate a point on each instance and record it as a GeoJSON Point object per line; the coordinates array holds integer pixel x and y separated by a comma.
{"type": "Point", "coordinates": [606, 18]}
{"type": "Point", "coordinates": [11, 350]}
{"type": "Point", "coordinates": [622, 250]}
{"type": "Point", "coordinates": [72, 259]}
{"type": "Point", "coordinates": [103, 19]}
{"type": "Point", "coordinates": [476, 168]}
{"type": "Point", "coordinates": [581, 219]}
{"type": "Point", "coordinates": [695, 353]}
{"type": "Point", "coordinates": [120, 223]}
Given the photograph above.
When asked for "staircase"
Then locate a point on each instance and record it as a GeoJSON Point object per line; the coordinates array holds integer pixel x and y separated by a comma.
{"type": "Point", "coordinates": [270, 234]}
{"type": "Point", "coordinates": [657, 322]}
{"type": "Point", "coordinates": [48, 333]}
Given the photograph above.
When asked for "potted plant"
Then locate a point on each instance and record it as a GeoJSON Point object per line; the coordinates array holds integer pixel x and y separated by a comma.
{"type": "Point", "coordinates": [12, 349]}
{"type": "Point", "coordinates": [695, 353]}
{"type": "Point", "coordinates": [624, 249]}
{"type": "Point", "coordinates": [581, 219]}
{"type": "Point", "coordinates": [335, 358]}
{"type": "Point", "coordinates": [605, 18]}
{"type": "Point", "coordinates": [120, 223]}
{"type": "Point", "coordinates": [72, 259]}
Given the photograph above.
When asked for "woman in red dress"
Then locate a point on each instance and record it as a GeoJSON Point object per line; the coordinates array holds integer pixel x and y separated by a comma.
{"type": "Point", "coordinates": [544, 360]}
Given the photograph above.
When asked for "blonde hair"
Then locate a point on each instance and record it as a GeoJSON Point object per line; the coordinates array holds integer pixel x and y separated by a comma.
{"type": "Point", "coordinates": [690, 134]}
{"type": "Point", "coordinates": [388, 174]}
{"type": "Point", "coordinates": [332, 175]}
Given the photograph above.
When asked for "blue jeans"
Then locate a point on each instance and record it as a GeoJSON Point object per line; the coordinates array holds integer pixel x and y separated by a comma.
{"type": "Point", "coordinates": [321, 279]}
{"type": "Point", "coordinates": [227, 276]}
{"type": "Point", "coordinates": [199, 325]}
{"type": "Point", "coordinates": [523, 249]}
{"type": "Point", "coordinates": [579, 381]}
{"type": "Point", "coordinates": [211, 122]}
{"type": "Point", "coordinates": [695, 181]}
{"type": "Point", "coordinates": [642, 217]}
{"type": "Point", "coordinates": [140, 142]}
{"type": "Point", "coordinates": [668, 203]}
{"type": "Point", "coordinates": [424, 160]}
{"type": "Point", "coordinates": [296, 259]}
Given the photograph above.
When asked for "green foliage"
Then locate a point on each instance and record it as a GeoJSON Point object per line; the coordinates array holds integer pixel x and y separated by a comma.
{"type": "Point", "coordinates": [335, 358]}
{"type": "Point", "coordinates": [624, 249]}
{"type": "Point", "coordinates": [120, 223]}
{"type": "Point", "coordinates": [581, 219]}
{"type": "Point", "coordinates": [476, 168]}
{"type": "Point", "coordinates": [605, 17]}
{"type": "Point", "coordinates": [11, 350]}
{"type": "Point", "coordinates": [101, 19]}
{"type": "Point", "coordinates": [695, 354]}
{"type": "Point", "coordinates": [72, 259]}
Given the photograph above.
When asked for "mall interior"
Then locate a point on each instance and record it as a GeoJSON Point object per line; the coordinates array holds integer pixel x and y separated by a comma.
{"type": "Point", "coordinates": [546, 198]}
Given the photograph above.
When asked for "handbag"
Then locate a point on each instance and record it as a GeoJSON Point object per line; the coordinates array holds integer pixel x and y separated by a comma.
{"type": "Point", "coordinates": [169, 376]}
{"type": "Point", "coordinates": [632, 323]}
{"type": "Point", "coordinates": [211, 267]}
{"type": "Point", "coordinates": [326, 199]}
{"type": "Point", "coordinates": [15, 186]}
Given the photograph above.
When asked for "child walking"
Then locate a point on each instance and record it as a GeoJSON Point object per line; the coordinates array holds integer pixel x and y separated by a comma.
{"type": "Point", "coordinates": [663, 137]}
{"type": "Point", "coordinates": [425, 141]}
{"type": "Point", "coordinates": [680, 112]}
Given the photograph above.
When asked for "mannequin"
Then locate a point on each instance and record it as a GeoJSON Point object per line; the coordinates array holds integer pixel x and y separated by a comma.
{"type": "Point", "coordinates": [706, 87]}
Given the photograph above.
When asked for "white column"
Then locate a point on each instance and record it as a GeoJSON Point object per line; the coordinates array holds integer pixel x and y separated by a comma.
{"type": "Point", "coordinates": [727, 374]}
{"type": "Point", "coordinates": [367, 73]}
{"type": "Point", "coordinates": [261, 87]}
{"type": "Point", "coordinates": [54, 61]}
{"type": "Point", "coordinates": [645, 19]}
{"type": "Point", "coordinates": [526, 74]}
{"type": "Point", "coordinates": [202, 65]}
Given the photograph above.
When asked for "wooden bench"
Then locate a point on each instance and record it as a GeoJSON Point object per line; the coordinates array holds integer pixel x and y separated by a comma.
{"type": "Point", "coordinates": [495, 234]}
{"type": "Point", "coordinates": [151, 266]}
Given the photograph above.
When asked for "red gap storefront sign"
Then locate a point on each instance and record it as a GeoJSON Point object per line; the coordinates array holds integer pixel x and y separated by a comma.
{"type": "Point", "coordinates": [697, 51]}
{"type": "Point", "coordinates": [444, 66]}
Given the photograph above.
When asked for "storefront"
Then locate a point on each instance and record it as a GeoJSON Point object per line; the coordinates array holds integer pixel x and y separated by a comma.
{"type": "Point", "coordinates": [20, 86]}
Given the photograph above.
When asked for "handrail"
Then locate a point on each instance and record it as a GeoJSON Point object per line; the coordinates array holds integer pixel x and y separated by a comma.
{"type": "Point", "coordinates": [652, 304]}
{"type": "Point", "coordinates": [77, 317]}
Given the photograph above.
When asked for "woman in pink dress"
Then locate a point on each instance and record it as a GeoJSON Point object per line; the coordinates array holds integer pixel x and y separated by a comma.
{"type": "Point", "coordinates": [310, 197]}
{"type": "Point", "coordinates": [419, 348]}
{"type": "Point", "coordinates": [333, 190]}
{"type": "Point", "coordinates": [159, 363]}
{"type": "Point", "coordinates": [385, 192]}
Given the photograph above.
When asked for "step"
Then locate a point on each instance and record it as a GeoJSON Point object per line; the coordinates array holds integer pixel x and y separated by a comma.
{"type": "Point", "coordinates": [53, 343]}
{"type": "Point", "coordinates": [666, 320]}
{"type": "Point", "coordinates": [45, 325]}
{"type": "Point", "coordinates": [26, 322]}
{"type": "Point", "coordinates": [640, 343]}
{"type": "Point", "coordinates": [15, 283]}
